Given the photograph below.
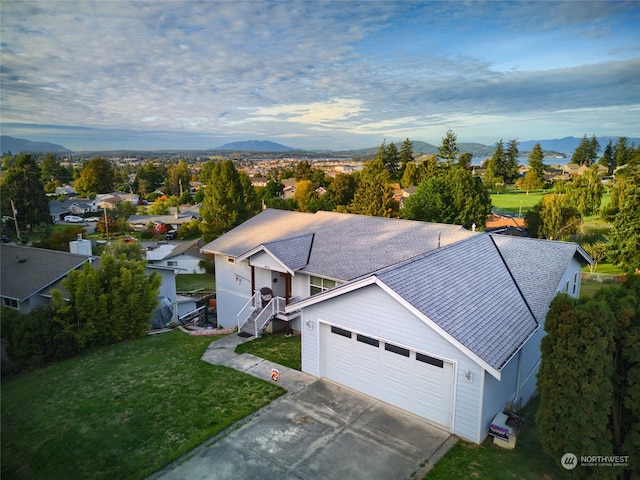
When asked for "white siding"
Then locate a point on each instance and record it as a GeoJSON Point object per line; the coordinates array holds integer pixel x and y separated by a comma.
{"type": "Point", "coordinates": [184, 264]}
{"type": "Point", "coordinates": [498, 393]}
{"type": "Point", "coordinates": [372, 311]}
{"type": "Point", "coordinates": [266, 261]}
{"type": "Point", "coordinates": [233, 289]}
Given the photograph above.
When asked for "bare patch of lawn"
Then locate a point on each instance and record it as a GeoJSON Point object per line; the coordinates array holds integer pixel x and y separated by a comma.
{"type": "Point", "coordinates": [122, 412]}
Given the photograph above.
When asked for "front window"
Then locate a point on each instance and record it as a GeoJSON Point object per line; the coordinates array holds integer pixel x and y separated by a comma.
{"type": "Point", "coordinates": [319, 285]}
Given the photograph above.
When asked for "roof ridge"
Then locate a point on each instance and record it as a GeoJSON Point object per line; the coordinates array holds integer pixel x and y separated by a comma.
{"type": "Point", "coordinates": [513, 278]}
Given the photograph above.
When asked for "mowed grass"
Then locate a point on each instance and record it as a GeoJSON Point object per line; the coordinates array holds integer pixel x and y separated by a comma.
{"type": "Point", "coordinates": [122, 412]}
{"type": "Point", "coordinates": [195, 282]}
{"type": "Point", "coordinates": [516, 201]}
{"type": "Point", "coordinates": [526, 462]}
{"type": "Point", "coordinates": [276, 348]}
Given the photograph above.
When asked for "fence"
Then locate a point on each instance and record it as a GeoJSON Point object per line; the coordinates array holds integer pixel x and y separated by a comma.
{"type": "Point", "coordinates": [603, 278]}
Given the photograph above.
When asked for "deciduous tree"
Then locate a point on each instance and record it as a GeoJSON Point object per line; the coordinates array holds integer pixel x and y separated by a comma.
{"type": "Point", "coordinates": [553, 218]}
{"type": "Point", "coordinates": [585, 192]}
{"type": "Point", "coordinates": [96, 176]}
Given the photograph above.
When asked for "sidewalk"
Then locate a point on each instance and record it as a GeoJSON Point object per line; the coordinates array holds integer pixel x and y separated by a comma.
{"type": "Point", "coordinates": [222, 352]}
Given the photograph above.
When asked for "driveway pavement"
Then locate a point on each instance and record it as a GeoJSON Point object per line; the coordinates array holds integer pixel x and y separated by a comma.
{"type": "Point", "coordinates": [317, 430]}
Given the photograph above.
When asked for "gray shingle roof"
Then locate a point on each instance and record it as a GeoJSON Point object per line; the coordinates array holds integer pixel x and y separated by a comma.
{"type": "Point", "coordinates": [537, 266]}
{"type": "Point", "coordinates": [344, 246]}
{"type": "Point", "coordinates": [467, 290]}
{"type": "Point", "coordinates": [26, 270]}
{"type": "Point", "coordinates": [293, 252]}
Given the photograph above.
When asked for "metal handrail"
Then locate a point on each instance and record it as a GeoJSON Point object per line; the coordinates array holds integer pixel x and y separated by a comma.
{"type": "Point", "coordinates": [251, 306]}
{"type": "Point", "coordinates": [275, 305]}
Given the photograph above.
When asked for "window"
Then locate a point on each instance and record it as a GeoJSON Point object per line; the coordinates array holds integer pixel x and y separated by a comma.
{"type": "Point", "coordinates": [10, 302]}
{"type": "Point", "coordinates": [231, 260]}
{"type": "Point", "coordinates": [430, 360]}
{"type": "Point", "coordinates": [368, 340]}
{"type": "Point", "coordinates": [172, 263]}
{"type": "Point", "coordinates": [395, 349]}
{"type": "Point", "coordinates": [341, 331]}
{"type": "Point", "coordinates": [319, 285]}
{"type": "Point", "coordinates": [575, 283]}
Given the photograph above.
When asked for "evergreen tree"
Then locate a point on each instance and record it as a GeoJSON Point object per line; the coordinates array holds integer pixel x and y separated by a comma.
{"type": "Point", "coordinates": [448, 148]}
{"type": "Point", "coordinates": [575, 378]}
{"type": "Point", "coordinates": [22, 184]}
{"type": "Point", "coordinates": [342, 189]}
{"type": "Point", "coordinates": [410, 175]}
{"type": "Point", "coordinates": [374, 195]}
{"type": "Point", "coordinates": [427, 169]}
{"type": "Point", "coordinates": [586, 152]}
{"type": "Point", "coordinates": [229, 201]}
{"type": "Point", "coordinates": [511, 161]}
{"type": "Point", "coordinates": [608, 158]}
{"type": "Point", "coordinates": [622, 152]}
{"type": "Point", "coordinates": [406, 156]}
{"type": "Point", "coordinates": [499, 160]}
{"type": "Point", "coordinates": [390, 158]}
{"type": "Point", "coordinates": [625, 234]}
{"type": "Point", "coordinates": [534, 177]}
{"type": "Point", "coordinates": [178, 178]}
{"type": "Point", "coordinates": [464, 160]}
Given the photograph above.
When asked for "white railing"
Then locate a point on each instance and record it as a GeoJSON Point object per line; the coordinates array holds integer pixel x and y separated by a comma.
{"type": "Point", "coordinates": [275, 305]}
{"type": "Point", "coordinates": [251, 306]}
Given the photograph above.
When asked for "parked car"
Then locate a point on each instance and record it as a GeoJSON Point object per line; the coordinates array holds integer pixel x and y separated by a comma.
{"type": "Point", "coordinates": [171, 235]}
{"type": "Point", "coordinates": [92, 219]}
{"type": "Point", "coordinates": [73, 219]}
{"type": "Point", "coordinates": [5, 239]}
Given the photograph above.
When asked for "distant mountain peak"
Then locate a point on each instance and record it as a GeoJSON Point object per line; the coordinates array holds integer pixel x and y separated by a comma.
{"type": "Point", "coordinates": [255, 146]}
{"type": "Point", "coordinates": [17, 145]}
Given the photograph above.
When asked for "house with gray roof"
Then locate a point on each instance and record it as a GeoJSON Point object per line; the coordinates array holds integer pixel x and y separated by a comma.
{"type": "Point", "coordinates": [437, 320]}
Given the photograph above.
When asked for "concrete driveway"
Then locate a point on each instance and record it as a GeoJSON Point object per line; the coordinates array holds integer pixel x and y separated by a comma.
{"type": "Point", "coordinates": [318, 430]}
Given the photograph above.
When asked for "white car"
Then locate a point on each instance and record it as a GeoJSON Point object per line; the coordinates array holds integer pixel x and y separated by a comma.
{"type": "Point", "coordinates": [92, 219]}
{"type": "Point", "coordinates": [73, 219]}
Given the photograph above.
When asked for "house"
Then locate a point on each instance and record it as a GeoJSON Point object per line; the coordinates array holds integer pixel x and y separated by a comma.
{"type": "Point", "coordinates": [29, 274]}
{"type": "Point", "coordinates": [442, 322]}
{"type": "Point", "coordinates": [172, 222]}
{"type": "Point", "coordinates": [183, 257]}
{"type": "Point", "coordinates": [75, 206]}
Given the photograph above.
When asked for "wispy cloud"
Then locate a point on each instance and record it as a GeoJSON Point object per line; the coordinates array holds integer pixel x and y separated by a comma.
{"type": "Point", "coordinates": [323, 74]}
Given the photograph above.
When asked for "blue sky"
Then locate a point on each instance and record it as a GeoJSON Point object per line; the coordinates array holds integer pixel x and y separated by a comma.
{"type": "Point", "coordinates": [316, 75]}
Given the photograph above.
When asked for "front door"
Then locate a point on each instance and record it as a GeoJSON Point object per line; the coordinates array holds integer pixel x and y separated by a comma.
{"type": "Point", "coordinates": [279, 284]}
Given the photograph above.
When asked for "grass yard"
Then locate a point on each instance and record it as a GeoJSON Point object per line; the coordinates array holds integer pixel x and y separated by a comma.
{"type": "Point", "coordinates": [526, 462]}
{"type": "Point", "coordinates": [276, 348]}
{"type": "Point", "coordinates": [195, 282]}
{"type": "Point", "coordinates": [122, 412]}
{"type": "Point", "coordinates": [516, 201]}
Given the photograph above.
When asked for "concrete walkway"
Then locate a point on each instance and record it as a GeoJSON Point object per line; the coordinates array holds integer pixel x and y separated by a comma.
{"type": "Point", "coordinates": [317, 430]}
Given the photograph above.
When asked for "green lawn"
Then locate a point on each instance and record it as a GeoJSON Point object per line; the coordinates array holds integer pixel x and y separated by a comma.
{"type": "Point", "coordinates": [195, 282]}
{"type": "Point", "coordinates": [276, 348]}
{"type": "Point", "coordinates": [122, 412]}
{"type": "Point", "coordinates": [487, 461]}
{"type": "Point", "coordinates": [516, 201]}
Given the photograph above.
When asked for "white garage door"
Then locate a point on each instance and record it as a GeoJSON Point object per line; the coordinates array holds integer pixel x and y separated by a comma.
{"type": "Point", "coordinates": [407, 379]}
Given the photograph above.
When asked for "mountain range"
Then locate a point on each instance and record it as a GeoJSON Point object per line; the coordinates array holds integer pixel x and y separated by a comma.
{"type": "Point", "coordinates": [552, 147]}
{"type": "Point", "coordinates": [17, 145]}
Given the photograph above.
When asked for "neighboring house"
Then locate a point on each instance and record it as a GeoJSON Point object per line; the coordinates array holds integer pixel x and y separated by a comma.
{"type": "Point", "coordinates": [29, 274]}
{"type": "Point", "coordinates": [76, 206]}
{"type": "Point", "coordinates": [437, 320]}
{"type": "Point", "coordinates": [289, 188]}
{"type": "Point", "coordinates": [173, 222]}
{"type": "Point", "coordinates": [182, 257]}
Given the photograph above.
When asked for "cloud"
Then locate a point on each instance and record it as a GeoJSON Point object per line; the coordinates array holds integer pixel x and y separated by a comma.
{"type": "Point", "coordinates": [314, 70]}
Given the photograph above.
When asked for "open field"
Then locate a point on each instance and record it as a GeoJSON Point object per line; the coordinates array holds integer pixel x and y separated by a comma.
{"type": "Point", "coordinates": [513, 201]}
{"type": "Point", "coordinates": [122, 412]}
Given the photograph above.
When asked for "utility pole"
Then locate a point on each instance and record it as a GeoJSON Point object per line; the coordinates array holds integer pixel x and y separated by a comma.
{"type": "Point", "coordinates": [15, 220]}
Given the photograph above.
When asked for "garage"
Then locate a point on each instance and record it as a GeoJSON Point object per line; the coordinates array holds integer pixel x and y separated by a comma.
{"type": "Point", "coordinates": [416, 382]}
